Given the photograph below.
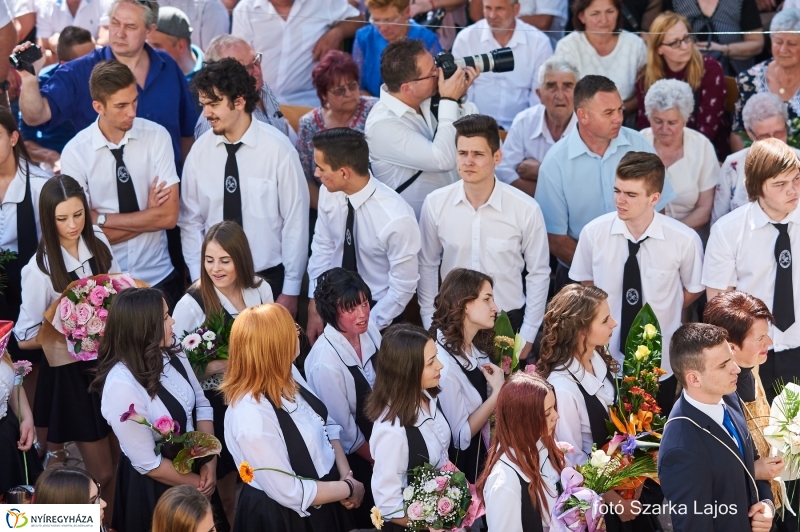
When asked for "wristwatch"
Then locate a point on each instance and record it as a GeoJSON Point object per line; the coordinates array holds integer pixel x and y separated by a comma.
{"type": "Point", "coordinates": [101, 220]}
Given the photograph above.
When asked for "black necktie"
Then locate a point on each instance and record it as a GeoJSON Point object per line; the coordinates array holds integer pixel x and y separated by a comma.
{"type": "Point", "coordinates": [232, 202]}
{"type": "Point", "coordinates": [631, 292]}
{"type": "Point", "coordinates": [349, 255]}
{"type": "Point", "coordinates": [783, 301]}
{"type": "Point", "coordinates": [126, 194]}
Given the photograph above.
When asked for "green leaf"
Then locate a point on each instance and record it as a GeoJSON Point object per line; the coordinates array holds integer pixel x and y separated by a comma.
{"type": "Point", "coordinates": [502, 325]}
{"type": "Point", "coordinates": [196, 445]}
{"type": "Point", "coordinates": [644, 317]}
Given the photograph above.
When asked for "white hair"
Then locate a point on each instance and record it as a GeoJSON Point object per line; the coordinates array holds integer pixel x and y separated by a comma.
{"type": "Point", "coordinates": [761, 106]}
{"type": "Point", "coordinates": [785, 20]}
{"type": "Point", "coordinates": [149, 10]}
{"type": "Point", "coordinates": [555, 64]}
{"type": "Point", "coordinates": [667, 94]}
{"type": "Point", "coordinates": [222, 43]}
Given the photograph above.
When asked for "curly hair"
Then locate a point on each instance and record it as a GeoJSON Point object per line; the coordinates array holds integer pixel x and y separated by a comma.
{"type": "Point", "coordinates": [459, 288]}
{"type": "Point", "coordinates": [567, 322]}
{"type": "Point", "coordinates": [226, 78]}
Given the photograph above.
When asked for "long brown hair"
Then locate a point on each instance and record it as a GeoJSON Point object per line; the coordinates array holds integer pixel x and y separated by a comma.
{"type": "Point", "coordinates": [398, 379]}
{"type": "Point", "coordinates": [655, 68]}
{"type": "Point", "coordinates": [63, 485]}
{"type": "Point", "coordinates": [230, 237]}
{"type": "Point", "coordinates": [57, 190]}
{"type": "Point", "coordinates": [568, 318]}
{"type": "Point", "coordinates": [180, 509]}
{"type": "Point", "coordinates": [459, 288]}
{"type": "Point", "coordinates": [520, 422]}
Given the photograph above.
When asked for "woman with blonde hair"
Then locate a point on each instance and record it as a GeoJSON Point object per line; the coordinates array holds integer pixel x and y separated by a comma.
{"type": "Point", "coordinates": [183, 509]}
{"type": "Point", "coordinates": [274, 421]}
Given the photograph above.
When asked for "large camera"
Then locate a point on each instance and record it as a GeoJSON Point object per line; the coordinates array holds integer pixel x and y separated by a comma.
{"type": "Point", "coordinates": [500, 60]}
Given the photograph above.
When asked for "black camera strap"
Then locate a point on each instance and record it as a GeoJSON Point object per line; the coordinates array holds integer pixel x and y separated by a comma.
{"type": "Point", "coordinates": [408, 183]}
{"type": "Point", "coordinates": [435, 113]}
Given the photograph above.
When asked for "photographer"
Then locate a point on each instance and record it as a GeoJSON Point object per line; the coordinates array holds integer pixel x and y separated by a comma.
{"type": "Point", "coordinates": [412, 150]}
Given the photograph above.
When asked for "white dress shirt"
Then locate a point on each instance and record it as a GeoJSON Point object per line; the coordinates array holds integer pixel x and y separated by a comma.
{"type": "Point", "coordinates": [741, 253]}
{"type": "Point", "coordinates": [7, 377]}
{"type": "Point", "coordinates": [37, 288]}
{"type": "Point", "coordinates": [208, 19]}
{"type": "Point", "coordinates": [122, 389]}
{"type": "Point", "coordinates": [52, 16]}
{"type": "Point", "coordinates": [573, 423]}
{"type": "Point", "coordinates": [6, 13]}
{"type": "Point", "coordinates": [331, 381]}
{"type": "Point", "coordinates": [253, 435]}
{"type": "Point", "coordinates": [502, 493]}
{"type": "Point", "coordinates": [387, 244]}
{"type": "Point", "coordinates": [556, 8]}
{"type": "Point", "coordinates": [500, 238]}
{"type": "Point", "coordinates": [389, 447]}
{"type": "Point", "coordinates": [22, 7]}
{"type": "Point", "coordinates": [716, 412]}
{"type": "Point", "coordinates": [148, 153]}
{"type": "Point", "coordinates": [288, 44]}
{"type": "Point", "coordinates": [274, 200]}
{"type": "Point", "coordinates": [502, 95]}
{"type": "Point", "coordinates": [459, 397]}
{"type": "Point", "coordinates": [670, 260]}
{"type": "Point", "coordinates": [402, 142]}
{"type": "Point", "coordinates": [528, 138]}
{"type": "Point", "coordinates": [14, 195]}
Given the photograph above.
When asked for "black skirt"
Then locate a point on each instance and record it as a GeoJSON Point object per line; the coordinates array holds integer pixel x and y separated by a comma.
{"type": "Point", "coordinates": [225, 462]}
{"type": "Point", "coordinates": [12, 472]}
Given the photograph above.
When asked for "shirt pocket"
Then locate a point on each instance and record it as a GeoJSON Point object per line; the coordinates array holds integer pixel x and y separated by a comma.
{"type": "Point", "coordinates": [262, 195]}
{"type": "Point", "coordinates": [659, 282]}
{"type": "Point", "coordinates": [500, 254]}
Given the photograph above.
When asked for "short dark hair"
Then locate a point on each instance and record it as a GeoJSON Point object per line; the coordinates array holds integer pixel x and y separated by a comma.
{"type": "Point", "coordinates": [736, 312]}
{"type": "Point", "coordinates": [479, 126]}
{"type": "Point", "coordinates": [70, 37]}
{"type": "Point", "coordinates": [399, 62]}
{"type": "Point", "coordinates": [579, 6]}
{"type": "Point", "coordinates": [590, 85]}
{"type": "Point", "coordinates": [636, 165]}
{"type": "Point", "coordinates": [108, 78]}
{"type": "Point", "coordinates": [342, 146]}
{"type": "Point", "coordinates": [687, 345]}
{"type": "Point", "coordinates": [339, 289]}
{"type": "Point", "coordinates": [229, 78]}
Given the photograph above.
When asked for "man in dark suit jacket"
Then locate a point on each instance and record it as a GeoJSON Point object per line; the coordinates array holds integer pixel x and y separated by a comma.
{"type": "Point", "coordinates": [706, 458]}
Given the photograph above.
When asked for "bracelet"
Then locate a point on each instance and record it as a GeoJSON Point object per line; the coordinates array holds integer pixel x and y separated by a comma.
{"type": "Point", "coordinates": [446, 98]}
{"type": "Point", "coordinates": [349, 485]}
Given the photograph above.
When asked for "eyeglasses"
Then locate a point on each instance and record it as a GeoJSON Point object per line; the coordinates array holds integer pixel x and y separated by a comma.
{"type": "Point", "coordinates": [689, 39]}
{"type": "Point", "coordinates": [434, 75]}
{"type": "Point", "coordinates": [96, 498]}
{"type": "Point", "coordinates": [341, 91]}
{"type": "Point", "coordinates": [256, 63]}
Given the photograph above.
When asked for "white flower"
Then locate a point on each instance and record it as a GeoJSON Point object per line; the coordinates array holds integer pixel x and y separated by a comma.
{"type": "Point", "coordinates": [599, 459]}
{"type": "Point", "coordinates": [430, 486]}
{"type": "Point", "coordinates": [209, 346]}
{"type": "Point", "coordinates": [795, 444]}
{"type": "Point", "coordinates": [91, 283]}
{"type": "Point", "coordinates": [191, 341]}
{"type": "Point", "coordinates": [209, 335]}
{"type": "Point", "coordinates": [408, 493]}
{"type": "Point", "coordinates": [454, 493]}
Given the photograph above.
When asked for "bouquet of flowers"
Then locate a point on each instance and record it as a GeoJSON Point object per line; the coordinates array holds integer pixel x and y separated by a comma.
{"type": "Point", "coordinates": [192, 445]}
{"type": "Point", "coordinates": [83, 310]}
{"type": "Point", "coordinates": [507, 344]}
{"type": "Point", "coordinates": [783, 431]}
{"type": "Point", "coordinates": [208, 342]}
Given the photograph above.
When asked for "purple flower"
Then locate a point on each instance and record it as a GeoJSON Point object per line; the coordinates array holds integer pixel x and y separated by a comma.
{"type": "Point", "coordinates": [131, 415]}
{"type": "Point", "coordinates": [629, 445]}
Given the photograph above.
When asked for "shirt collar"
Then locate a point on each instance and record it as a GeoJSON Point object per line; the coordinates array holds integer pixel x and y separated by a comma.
{"type": "Point", "coordinates": [249, 139]}
{"type": "Point", "coordinates": [361, 197]}
{"type": "Point", "coordinates": [759, 218]}
{"type": "Point", "coordinates": [495, 200]}
{"type": "Point", "coordinates": [251, 298]}
{"type": "Point", "coordinates": [396, 106]}
{"type": "Point", "coordinates": [433, 406]}
{"type": "Point", "coordinates": [591, 383]}
{"type": "Point", "coordinates": [654, 230]}
{"type": "Point", "coordinates": [343, 347]}
{"type": "Point", "coordinates": [84, 255]}
{"type": "Point", "coordinates": [518, 37]}
{"type": "Point", "coordinates": [100, 141]}
{"type": "Point", "coordinates": [577, 147]}
{"type": "Point", "coordinates": [715, 411]}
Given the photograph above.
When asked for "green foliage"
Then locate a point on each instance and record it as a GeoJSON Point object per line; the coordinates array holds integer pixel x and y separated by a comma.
{"type": "Point", "coordinates": [196, 445]}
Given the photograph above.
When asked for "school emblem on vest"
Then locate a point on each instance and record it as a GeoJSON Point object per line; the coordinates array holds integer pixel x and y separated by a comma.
{"type": "Point", "coordinates": [785, 258]}
{"type": "Point", "coordinates": [122, 174]}
{"type": "Point", "coordinates": [632, 296]}
{"type": "Point", "coordinates": [230, 184]}
{"type": "Point", "coordinates": [348, 238]}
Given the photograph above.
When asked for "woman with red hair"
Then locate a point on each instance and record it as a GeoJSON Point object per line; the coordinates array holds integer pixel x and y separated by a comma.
{"type": "Point", "coordinates": [518, 485]}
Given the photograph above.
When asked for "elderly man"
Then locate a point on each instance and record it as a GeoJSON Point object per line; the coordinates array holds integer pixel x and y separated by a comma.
{"type": "Point", "coordinates": [535, 130]}
{"type": "Point", "coordinates": [267, 110]}
{"type": "Point", "coordinates": [174, 35]}
{"type": "Point", "coordinates": [503, 95]}
{"type": "Point", "coordinates": [293, 35]}
{"type": "Point", "coordinates": [208, 19]}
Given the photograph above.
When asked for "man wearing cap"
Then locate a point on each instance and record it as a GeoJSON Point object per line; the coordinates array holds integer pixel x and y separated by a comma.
{"type": "Point", "coordinates": [174, 35]}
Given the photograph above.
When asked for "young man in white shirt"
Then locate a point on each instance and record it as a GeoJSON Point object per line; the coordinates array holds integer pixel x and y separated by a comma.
{"type": "Point", "coordinates": [127, 168]}
{"type": "Point", "coordinates": [363, 226]}
{"type": "Point", "coordinates": [52, 16]}
{"type": "Point", "coordinates": [750, 249]}
{"type": "Point", "coordinates": [502, 95]}
{"type": "Point", "coordinates": [485, 225]}
{"type": "Point", "coordinates": [246, 171]}
{"type": "Point", "coordinates": [412, 146]}
{"type": "Point", "coordinates": [639, 256]}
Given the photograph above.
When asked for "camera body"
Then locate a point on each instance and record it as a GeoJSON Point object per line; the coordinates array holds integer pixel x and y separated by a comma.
{"type": "Point", "coordinates": [500, 60]}
{"type": "Point", "coordinates": [25, 59]}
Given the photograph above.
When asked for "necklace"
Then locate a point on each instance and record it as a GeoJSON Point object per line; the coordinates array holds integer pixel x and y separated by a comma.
{"type": "Point", "coordinates": [781, 90]}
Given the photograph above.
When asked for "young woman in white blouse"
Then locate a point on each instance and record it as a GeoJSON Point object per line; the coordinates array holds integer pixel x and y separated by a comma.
{"type": "Point", "coordinates": [341, 369]}
{"type": "Point", "coordinates": [409, 428]}
{"type": "Point", "coordinates": [275, 421]}
{"type": "Point", "coordinates": [70, 249]}
{"type": "Point", "coordinates": [140, 366]}
{"type": "Point", "coordinates": [519, 485]}
{"type": "Point", "coordinates": [463, 322]}
{"type": "Point", "coordinates": [227, 284]}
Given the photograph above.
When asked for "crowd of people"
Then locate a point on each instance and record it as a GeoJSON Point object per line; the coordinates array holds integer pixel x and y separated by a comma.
{"type": "Point", "coordinates": [362, 248]}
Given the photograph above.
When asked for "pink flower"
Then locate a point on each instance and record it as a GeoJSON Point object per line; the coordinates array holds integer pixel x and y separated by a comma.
{"type": "Point", "coordinates": [506, 363]}
{"type": "Point", "coordinates": [441, 483]}
{"type": "Point", "coordinates": [164, 425]}
{"type": "Point", "coordinates": [22, 367]}
{"type": "Point", "coordinates": [88, 345]}
{"type": "Point", "coordinates": [95, 325]}
{"type": "Point", "coordinates": [415, 511]}
{"type": "Point", "coordinates": [444, 506]}
{"type": "Point", "coordinates": [530, 369]}
{"type": "Point", "coordinates": [131, 415]}
{"type": "Point", "coordinates": [79, 333]}
{"type": "Point", "coordinates": [98, 295]}
{"type": "Point", "coordinates": [449, 467]}
{"type": "Point", "coordinates": [119, 284]}
{"type": "Point", "coordinates": [101, 313]}
{"type": "Point", "coordinates": [565, 447]}
{"type": "Point", "coordinates": [84, 312]}
{"type": "Point", "coordinates": [66, 308]}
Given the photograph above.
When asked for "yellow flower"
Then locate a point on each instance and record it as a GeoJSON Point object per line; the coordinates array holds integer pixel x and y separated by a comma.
{"type": "Point", "coordinates": [642, 352]}
{"type": "Point", "coordinates": [377, 520]}
{"type": "Point", "coordinates": [650, 331]}
{"type": "Point", "coordinates": [246, 472]}
{"type": "Point", "coordinates": [503, 342]}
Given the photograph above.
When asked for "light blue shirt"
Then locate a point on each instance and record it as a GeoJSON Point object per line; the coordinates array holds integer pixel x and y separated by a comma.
{"type": "Point", "coordinates": [576, 186]}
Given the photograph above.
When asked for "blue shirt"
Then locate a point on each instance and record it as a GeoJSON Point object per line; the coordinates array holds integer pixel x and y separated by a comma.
{"type": "Point", "coordinates": [576, 186]}
{"type": "Point", "coordinates": [52, 138]}
{"type": "Point", "coordinates": [198, 53]}
{"type": "Point", "coordinates": [165, 98]}
{"type": "Point", "coordinates": [370, 44]}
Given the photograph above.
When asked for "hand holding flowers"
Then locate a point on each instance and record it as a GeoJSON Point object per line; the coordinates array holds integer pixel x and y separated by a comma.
{"type": "Point", "coordinates": [26, 431]}
{"type": "Point", "coordinates": [208, 343]}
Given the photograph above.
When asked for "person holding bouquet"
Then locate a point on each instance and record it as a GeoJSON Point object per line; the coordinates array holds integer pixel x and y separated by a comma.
{"type": "Point", "coordinates": [519, 485]}
{"type": "Point", "coordinates": [410, 428]}
{"type": "Point", "coordinates": [463, 324]}
{"type": "Point", "coordinates": [70, 249]}
{"type": "Point", "coordinates": [227, 284]}
{"type": "Point", "coordinates": [297, 478]}
{"type": "Point", "coordinates": [140, 369]}
{"type": "Point", "coordinates": [341, 369]}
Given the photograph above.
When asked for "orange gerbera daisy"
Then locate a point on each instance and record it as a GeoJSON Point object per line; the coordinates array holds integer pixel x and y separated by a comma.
{"type": "Point", "coordinates": [246, 472]}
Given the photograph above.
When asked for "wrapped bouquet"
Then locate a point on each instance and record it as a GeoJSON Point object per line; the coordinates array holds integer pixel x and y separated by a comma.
{"type": "Point", "coordinates": [208, 342]}
{"type": "Point", "coordinates": [783, 431]}
{"type": "Point", "coordinates": [507, 344]}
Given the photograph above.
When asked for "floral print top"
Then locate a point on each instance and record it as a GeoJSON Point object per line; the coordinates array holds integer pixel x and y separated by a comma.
{"type": "Point", "coordinates": [753, 81]}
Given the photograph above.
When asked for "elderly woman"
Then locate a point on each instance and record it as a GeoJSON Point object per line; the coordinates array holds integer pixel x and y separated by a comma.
{"type": "Point", "coordinates": [689, 156]}
{"type": "Point", "coordinates": [779, 75]}
{"type": "Point", "coordinates": [764, 116]}
{"type": "Point", "coordinates": [336, 80]}
{"type": "Point", "coordinates": [673, 54]}
{"type": "Point", "coordinates": [596, 48]}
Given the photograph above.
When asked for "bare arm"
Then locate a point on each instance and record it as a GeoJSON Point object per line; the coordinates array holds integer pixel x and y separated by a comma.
{"type": "Point", "coordinates": [690, 297]}
{"type": "Point", "coordinates": [476, 10]}
{"type": "Point", "coordinates": [528, 187]}
{"type": "Point", "coordinates": [24, 24]}
{"type": "Point", "coordinates": [166, 474]}
{"type": "Point", "coordinates": [34, 107]}
{"type": "Point", "coordinates": [29, 344]}
{"type": "Point", "coordinates": [40, 154]}
{"type": "Point", "coordinates": [751, 46]}
{"type": "Point", "coordinates": [562, 246]}
{"type": "Point", "coordinates": [157, 218]}
{"type": "Point", "coordinates": [332, 40]}
{"type": "Point", "coordinates": [701, 214]}
{"type": "Point", "coordinates": [736, 143]}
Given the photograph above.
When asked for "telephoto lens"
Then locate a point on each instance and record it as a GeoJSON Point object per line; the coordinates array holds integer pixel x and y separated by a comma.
{"type": "Point", "coordinates": [500, 60]}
